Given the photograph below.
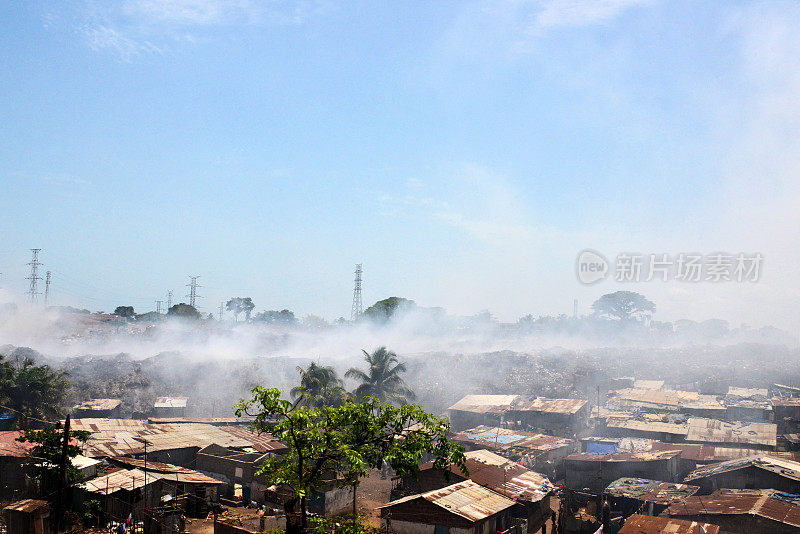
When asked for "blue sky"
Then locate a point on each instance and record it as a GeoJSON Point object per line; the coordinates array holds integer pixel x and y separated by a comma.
{"type": "Point", "coordinates": [464, 152]}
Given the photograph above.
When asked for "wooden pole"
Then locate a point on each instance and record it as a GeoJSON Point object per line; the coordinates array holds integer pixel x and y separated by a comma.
{"type": "Point", "coordinates": [62, 477]}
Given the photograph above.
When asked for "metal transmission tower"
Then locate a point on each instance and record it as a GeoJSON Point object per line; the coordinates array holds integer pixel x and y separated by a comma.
{"type": "Point", "coordinates": [169, 300]}
{"type": "Point", "coordinates": [46, 287]}
{"type": "Point", "coordinates": [193, 296]}
{"type": "Point", "coordinates": [158, 307]}
{"type": "Point", "coordinates": [220, 311]}
{"type": "Point", "coordinates": [34, 277]}
{"type": "Point", "coordinates": [356, 311]}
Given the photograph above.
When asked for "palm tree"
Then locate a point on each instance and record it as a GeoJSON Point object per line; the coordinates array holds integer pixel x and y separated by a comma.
{"type": "Point", "coordinates": [319, 386]}
{"type": "Point", "coordinates": [382, 378]}
{"type": "Point", "coordinates": [32, 391]}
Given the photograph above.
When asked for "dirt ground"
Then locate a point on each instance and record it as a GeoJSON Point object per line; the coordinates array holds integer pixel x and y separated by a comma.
{"type": "Point", "coordinates": [373, 491]}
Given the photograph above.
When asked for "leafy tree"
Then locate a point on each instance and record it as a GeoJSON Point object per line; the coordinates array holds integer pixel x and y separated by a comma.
{"type": "Point", "coordinates": [315, 322]}
{"type": "Point", "coordinates": [32, 391]}
{"type": "Point", "coordinates": [347, 440]}
{"type": "Point", "coordinates": [623, 306]}
{"type": "Point", "coordinates": [183, 310]}
{"type": "Point", "coordinates": [383, 310]}
{"type": "Point", "coordinates": [239, 305]}
{"type": "Point", "coordinates": [46, 455]}
{"type": "Point", "coordinates": [277, 317]}
{"type": "Point", "coordinates": [319, 386]}
{"type": "Point", "coordinates": [382, 378]}
{"type": "Point", "coordinates": [124, 311]}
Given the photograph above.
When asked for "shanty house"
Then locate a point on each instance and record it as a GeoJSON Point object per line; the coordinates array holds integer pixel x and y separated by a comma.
{"type": "Point", "coordinates": [595, 472]}
{"type": "Point", "coordinates": [659, 430]}
{"type": "Point", "coordinates": [694, 455]}
{"type": "Point", "coordinates": [538, 452]}
{"type": "Point", "coordinates": [530, 490]}
{"type": "Point", "coordinates": [235, 468]}
{"type": "Point", "coordinates": [645, 524]}
{"type": "Point", "coordinates": [561, 417]}
{"type": "Point", "coordinates": [170, 407]}
{"type": "Point", "coordinates": [627, 495]}
{"type": "Point", "coordinates": [15, 472]}
{"type": "Point", "coordinates": [732, 433]}
{"type": "Point", "coordinates": [743, 512]}
{"type": "Point", "coordinates": [756, 472]}
{"type": "Point", "coordinates": [474, 410]}
{"type": "Point", "coordinates": [29, 516]}
{"type": "Point", "coordinates": [100, 408]}
{"type": "Point", "coordinates": [461, 508]}
{"type": "Point", "coordinates": [667, 400]}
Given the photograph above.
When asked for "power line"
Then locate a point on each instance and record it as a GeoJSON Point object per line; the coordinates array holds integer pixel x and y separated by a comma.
{"type": "Point", "coordinates": [169, 300]}
{"type": "Point", "coordinates": [357, 307]}
{"type": "Point", "coordinates": [47, 288]}
{"type": "Point", "coordinates": [193, 296]}
{"type": "Point", "coordinates": [34, 277]}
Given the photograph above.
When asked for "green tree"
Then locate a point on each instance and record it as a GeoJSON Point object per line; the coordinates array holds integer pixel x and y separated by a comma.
{"type": "Point", "coordinates": [623, 306]}
{"type": "Point", "coordinates": [124, 311]}
{"type": "Point", "coordinates": [46, 455]}
{"type": "Point", "coordinates": [345, 440]}
{"type": "Point", "coordinates": [32, 391]}
{"type": "Point", "coordinates": [385, 309]}
{"type": "Point", "coordinates": [183, 310]}
{"type": "Point", "coordinates": [319, 386]}
{"type": "Point", "coordinates": [276, 317]}
{"type": "Point", "coordinates": [382, 378]}
{"type": "Point", "coordinates": [238, 305]}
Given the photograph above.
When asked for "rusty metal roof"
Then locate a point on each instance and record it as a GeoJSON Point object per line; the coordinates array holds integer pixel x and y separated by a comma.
{"type": "Point", "coordinates": [636, 456]}
{"type": "Point", "coordinates": [465, 499]}
{"type": "Point", "coordinates": [646, 524]}
{"type": "Point", "coordinates": [650, 490]}
{"type": "Point", "coordinates": [766, 503]}
{"type": "Point", "coordinates": [503, 476]}
{"type": "Point", "coordinates": [504, 438]}
{"type": "Point", "coordinates": [98, 404]}
{"type": "Point", "coordinates": [716, 431]}
{"type": "Point", "coordinates": [791, 401]}
{"type": "Point", "coordinates": [118, 437]}
{"type": "Point", "coordinates": [676, 429]}
{"type": "Point", "coordinates": [779, 466]}
{"type": "Point", "coordinates": [667, 399]}
{"type": "Point", "coordinates": [544, 405]}
{"type": "Point", "coordinates": [263, 442]}
{"type": "Point", "coordinates": [26, 505]}
{"type": "Point", "coordinates": [170, 402]}
{"type": "Point", "coordinates": [484, 403]}
{"type": "Point", "coordinates": [130, 479]}
{"type": "Point", "coordinates": [714, 453]}
{"type": "Point", "coordinates": [648, 384]}
{"type": "Point", "coordinates": [9, 446]}
{"type": "Point", "coordinates": [747, 393]}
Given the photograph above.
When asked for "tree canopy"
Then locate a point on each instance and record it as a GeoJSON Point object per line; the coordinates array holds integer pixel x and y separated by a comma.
{"type": "Point", "coordinates": [183, 310]}
{"type": "Point", "coordinates": [347, 440]}
{"type": "Point", "coordinates": [382, 378]}
{"type": "Point", "coordinates": [285, 317]}
{"type": "Point", "coordinates": [31, 391]}
{"type": "Point", "coordinates": [124, 311]}
{"type": "Point", "coordinates": [238, 305]}
{"type": "Point", "coordinates": [383, 310]}
{"type": "Point", "coordinates": [46, 454]}
{"type": "Point", "coordinates": [319, 386]}
{"type": "Point", "coordinates": [623, 306]}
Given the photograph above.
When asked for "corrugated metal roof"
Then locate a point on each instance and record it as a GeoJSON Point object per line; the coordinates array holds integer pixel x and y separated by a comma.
{"type": "Point", "coordinates": [714, 453]}
{"type": "Point", "coordinates": [765, 503]}
{"type": "Point", "coordinates": [118, 437]}
{"type": "Point", "coordinates": [503, 476]}
{"type": "Point", "coordinates": [465, 499]}
{"type": "Point", "coordinates": [130, 479]}
{"type": "Point", "coordinates": [779, 466]}
{"type": "Point", "coordinates": [544, 405]}
{"type": "Point", "coordinates": [666, 399]}
{"type": "Point", "coordinates": [98, 404]}
{"type": "Point", "coordinates": [650, 490]}
{"type": "Point", "coordinates": [504, 438]}
{"type": "Point", "coordinates": [648, 384]}
{"type": "Point", "coordinates": [636, 456]}
{"type": "Point", "coordinates": [9, 446]}
{"type": "Point", "coordinates": [747, 393]}
{"type": "Point", "coordinates": [649, 426]}
{"type": "Point", "coordinates": [645, 524]}
{"type": "Point", "coordinates": [716, 431]}
{"type": "Point", "coordinates": [26, 505]}
{"type": "Point", "coordinates": [263, 442]}
{"type": "Point", "coordinates": [484, 403]}
{"type": "Point", "coordinates": [170, 402]}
